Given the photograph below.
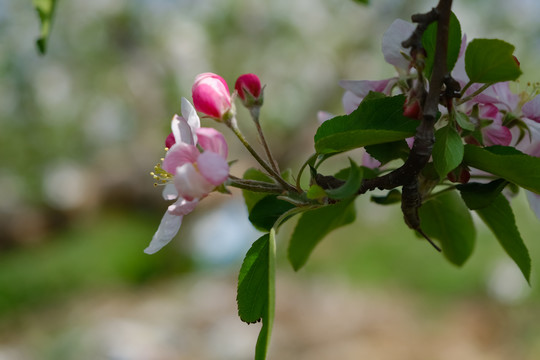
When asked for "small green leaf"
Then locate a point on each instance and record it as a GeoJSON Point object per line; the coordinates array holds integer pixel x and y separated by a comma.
{"type": "Point", "coordinates": [429, 40]}
{"type": "Point", "coordinates": [393, 196]}
{"type": "Point", "coordinates": [377, 120]}
{"type": "Point", "coordinates": [506, 162]}
{"type": "Point", "coordinates": [389, 151]}
{"type": "Point", "coordinates": [446, 218]}
{"type": "Point", "coordinates": [350, 187]}
{"type": "Point", "coordinates": [463, 121]}
{"type": "Point", "coordinates": [447, 151]}
{"type": "Point", "coordinates": [490, 61]}
{"type": "Point", "coordinates": [266, 211]}
{"type": "Point", "coordinates": [499, 217]}
{"type": "Point", "coordinates": [478, 195]}
{"type": "Point", "coordinates": [315, 192]}
{"type": "Point", "coordinates": [45, 10]}
{"type": "Point", "coordinates": [314, 225]}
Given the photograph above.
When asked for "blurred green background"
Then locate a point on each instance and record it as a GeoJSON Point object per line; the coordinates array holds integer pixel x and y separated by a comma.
{"type": "Point", "coordinates": [82, 127]}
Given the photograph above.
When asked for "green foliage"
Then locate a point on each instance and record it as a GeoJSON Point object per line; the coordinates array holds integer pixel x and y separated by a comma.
{"type": "Point", "coordinates": [429, 40]}
{"type": "Point", "coordinates": [392, 197]}
{"type": "Point", "coordinates": [447, 150]}
{"type": "Point", "coordinates": [463, 121]}
{"type": "Point", "coordinates": [446, 218]}
{"type": "Point", "coordinates": [387, 152]}
{"type": "Point", "coordinates": [45, 10]}
{"type": "Point", "coordinates": [490, 61]}
{"type": "Point", "coordinates": [351, 186]}
{"type": "Point", "coordinates": [499, 217]}
{"type": "Point", "coordinates": [314, 225]}
{"type": "Point", "coordinates": [506, 162]}
{"type": "Point", "coordinates": [377, 120]}
{"type": "Point", "coordinates": [266, 211]}
{"type": "Point", "coordinates": [477, 195]}
{"type": "Point", "coordinates": [363, 2]}
{"type": "Point", "coordinates": [252, 197]}
{"type": "Point", "coordinates": [256, 289]}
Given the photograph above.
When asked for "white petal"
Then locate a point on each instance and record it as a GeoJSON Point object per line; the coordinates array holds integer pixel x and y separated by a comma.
{"type": "Point", "coordinates": [169, 192]}
{"type": "Point", "coordinates": [189, 113]}
{"type": "Point", "coordinates": [399, 31]}
{"type": "Point", "coordinates": [168, 228]}
{"type": "Point", "coordinates": [182, 131]}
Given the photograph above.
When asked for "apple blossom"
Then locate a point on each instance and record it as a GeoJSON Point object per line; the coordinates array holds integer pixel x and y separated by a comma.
{"type": "Point", "coordinates": [211, 95]}
{"type": "Point", "coordinates": [188, 174]}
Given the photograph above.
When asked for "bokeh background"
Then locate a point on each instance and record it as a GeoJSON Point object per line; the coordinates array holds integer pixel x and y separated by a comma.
{"type": "Point", "coordinates": [82, 127]}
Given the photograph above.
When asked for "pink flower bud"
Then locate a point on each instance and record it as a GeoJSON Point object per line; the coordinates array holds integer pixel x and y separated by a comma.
{"type": "Point", "coordinates": [170, 141]}
{"type": "Point", "coordinates": [248, 83]}
{"type": "Point", "coordinates": [211, 95]}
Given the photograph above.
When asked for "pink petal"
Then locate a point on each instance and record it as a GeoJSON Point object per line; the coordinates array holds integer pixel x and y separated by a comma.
{"type": "Point", "coordinates": [496, 135]}
{"type": "Point", "coordinates": [362, 87]}
{"type": "Point", "coordinates": [182, 207]}
{"type": "Point", "coordinates": [211, 95]}
{"type": "Point", "coordinates": [531, 109]}
{"type": "Point", "coordinates": [398, 32]}
{"type": "Point", "coordinates": [212, 140]}
{"type": "Point", "coordinates": [178, 155]}
{"type": "Point", "coordinates": [213, 167]}
{"type": "Point", "coordinates": [190, 184]}
{"type": "Point", "coordinates": [350, 102]}
{"type": "Point", "coordinates": [370, 162]}
{"type": "Point", "coordinates": [497, 94]}
{"type": "Point", "coordinates": [168, 228]}
{"type": "Point", "coordinates": [250, 83]}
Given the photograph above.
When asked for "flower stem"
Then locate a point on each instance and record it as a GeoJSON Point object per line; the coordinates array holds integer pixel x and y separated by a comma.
{"type": "Point", "coordinates": [255, 116]}
{"type": "Point", "coordinates": [254, 185]}
{"type": "Point", "coordinates": [481, 89]}
{"type": "Point", "coordinates": [234, 127]}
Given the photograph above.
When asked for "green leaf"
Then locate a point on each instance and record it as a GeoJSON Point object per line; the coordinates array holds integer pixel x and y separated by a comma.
{"type": "Point", "coordinates": [350, 187]}
{"type": "Point", "coordinates": [252, 197]}
{"type": "Point", "coordinates": [447, 150]}
{"type": "Point", "coordinates": [429, 40]}
{"type": "Point", "coordinates": [446, 218]}
{"type": "Point", "coordinates": [45, 10]}
{"type": "Point", "coordinates": [478, 195]}
{"type": "Point", "coordinates": [490, 61]}
{"type": "Point", "coordinates": [498, 216]}
{"type": "Point", "coordinates": [257, 290]}
{"type": "Point", "coordinates": [393, 196]}
{"type": "Point", "coordinates": [463, 121]}
{"type": "Point", "coordinates": [377, 120]}
{"type": "Point", "coordinates": [389, 151]}
{"type": "Point", "coordinates": [506, 162]}
{"type": "Point", "coordinates": [266, 211]}
{"type": "Point", "coordinates": [315, 192]}
{"type": "Point", "coordinates": [314, 225]}
{"type": "Point", "coordinates": [252, 296]}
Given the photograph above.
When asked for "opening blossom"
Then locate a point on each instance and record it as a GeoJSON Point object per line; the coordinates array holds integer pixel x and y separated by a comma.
{"type": "Point", "coordinates": [211, 95]}
{"type": "Point", "coordinates": [188, 174]}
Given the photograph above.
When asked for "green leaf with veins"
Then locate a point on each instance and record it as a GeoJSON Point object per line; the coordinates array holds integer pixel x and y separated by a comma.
{"type": "Point", "coordinates": [478, 195]}
{"type": "Point", "coordinates": [490, 61]}
{"type": "Point", "coordinates": [429, 40]}
{"type": "Point", "coordinates": [314, 225]}
{"type": "Point", "coordinates": [445, 217]}
{"type": "Point", "coordinates": [447, 150]}
{"type": "Point", "coordinates": [498, 216]}
{"type": "Point", "coordinates": [506, 162]}
{"type": "Point", "coordinates": [256, 289]}
{"type": "Point", "coordinates": [377, 120]}
{"type": "Point", "coordinates": [387, 152]}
